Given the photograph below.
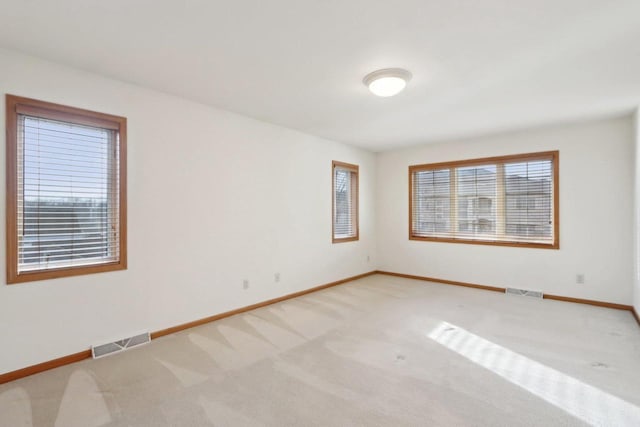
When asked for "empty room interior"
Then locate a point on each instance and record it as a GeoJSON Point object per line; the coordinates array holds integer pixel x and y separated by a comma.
{"type": "Point", "coordinates": [331, 213]}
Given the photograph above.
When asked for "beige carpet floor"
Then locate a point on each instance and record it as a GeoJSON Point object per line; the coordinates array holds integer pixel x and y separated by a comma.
{"type": "Point", "coordinates": [380, 351]}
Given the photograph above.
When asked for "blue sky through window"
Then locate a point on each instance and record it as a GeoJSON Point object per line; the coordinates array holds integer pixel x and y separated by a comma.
{"type": "Point", "coordinates": [64, 161]}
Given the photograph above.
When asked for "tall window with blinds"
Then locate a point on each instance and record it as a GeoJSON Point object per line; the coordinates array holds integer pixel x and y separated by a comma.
{"type": "Point", "coordinates": [509, 200]}
{"type": "Point", "coordinates": [65, 191]}
{"type": "Point", "coordinates": [345, 202]}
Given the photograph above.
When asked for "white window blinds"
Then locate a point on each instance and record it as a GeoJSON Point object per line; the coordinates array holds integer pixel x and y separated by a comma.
{"type": "Point", "coordinates": [68, 194]}
{"type": "Point", "coordinates": [504, 200]}
{"type": "Point", "coordinates": [345, 202]}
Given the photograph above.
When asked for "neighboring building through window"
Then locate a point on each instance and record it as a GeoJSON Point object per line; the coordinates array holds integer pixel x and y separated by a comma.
{"type": "Point", "coordinates": [509, 200]}
{"type": "Point", "coordinates": [66, 191]}
{"type": "Point", "coordinates": [345, 202]}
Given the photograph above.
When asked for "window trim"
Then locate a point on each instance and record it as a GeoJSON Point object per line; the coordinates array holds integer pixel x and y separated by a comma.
{"type": "Point", "coordinates": [16, 105]}
{"type": "Point", "coordinates": [545, 155]}
{"type": "Point", "coordinates": [354, 169]}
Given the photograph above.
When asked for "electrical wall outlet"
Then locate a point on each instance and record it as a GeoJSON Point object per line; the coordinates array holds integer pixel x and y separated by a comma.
{"type": "Point", "coordinates": [245, 284]}
{"type": "Point", "coordinates": [368, 258]}
{"type": "Point", "coordinates": [276, 277]}
{"type": "Point", "coordinates": [580, 278]}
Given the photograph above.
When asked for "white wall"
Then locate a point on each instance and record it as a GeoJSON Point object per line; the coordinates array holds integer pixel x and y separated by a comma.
{"type": "Point", "coordinates": [595, 220]}
{"type": "Point", "coordinates": [213, 198]}
{"type": "Point", "coordinates": [636, 198]}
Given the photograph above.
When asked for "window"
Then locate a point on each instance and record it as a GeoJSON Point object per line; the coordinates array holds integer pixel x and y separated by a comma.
{"type": "Point", "coordinates": [509, 200]}
{"type": "Point", "coordinates": [345, 202]}
{"type": "Point", "coordinates": [66, 191]}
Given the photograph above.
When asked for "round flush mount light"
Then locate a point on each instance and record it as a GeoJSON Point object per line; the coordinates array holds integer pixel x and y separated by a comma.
{"type": "Point", "coordinates": [387, 82]}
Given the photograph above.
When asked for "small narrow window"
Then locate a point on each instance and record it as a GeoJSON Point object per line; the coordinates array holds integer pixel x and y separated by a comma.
{"type": "Point", "coordinates": [508, 200]}
{"type": "Point", "coordinates": [345, 202]}
{"type": "Point", "coordinates": [66, 187]}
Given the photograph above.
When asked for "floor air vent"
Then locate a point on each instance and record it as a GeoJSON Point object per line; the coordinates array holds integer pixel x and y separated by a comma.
{"type": "Point", "coordinates": [120, 345]}
{"type": "Point", "coordinates": [524, 293]}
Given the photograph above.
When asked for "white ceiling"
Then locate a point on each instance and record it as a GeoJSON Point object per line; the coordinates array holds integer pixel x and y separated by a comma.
{"type": "Point", "coordinates": [478, 66]}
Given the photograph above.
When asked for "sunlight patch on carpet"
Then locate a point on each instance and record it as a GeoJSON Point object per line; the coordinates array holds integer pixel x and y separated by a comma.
{"type": "Point", "coordinates": [581, 400]}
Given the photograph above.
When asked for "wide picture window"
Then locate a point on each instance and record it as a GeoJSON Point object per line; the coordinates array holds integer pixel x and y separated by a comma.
{"type": "Point", "coordinates": [66, 191]}
{"type": "Point", "coordinates": [509, 200]}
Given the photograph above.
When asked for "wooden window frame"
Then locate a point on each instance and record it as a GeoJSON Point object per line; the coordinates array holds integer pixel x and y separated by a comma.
{"type": "Point", "coordinates": [554, 156]}
{"type": "Point", "coordinates": [355, 194]}
{"type": "Point", "coordinates": [15, 106]}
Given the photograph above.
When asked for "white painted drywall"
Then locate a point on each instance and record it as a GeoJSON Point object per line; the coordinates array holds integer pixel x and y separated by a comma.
{"type": "Point", "coordinates": [213, 198]}
{"type": "Point", "coordinates": [636, 212]}
{"type": "Point", "coordinates": [596, 221]}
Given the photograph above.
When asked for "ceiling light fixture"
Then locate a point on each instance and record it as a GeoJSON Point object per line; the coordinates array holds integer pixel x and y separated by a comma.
{"type": "Point", "coordinates": [387, 82]}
